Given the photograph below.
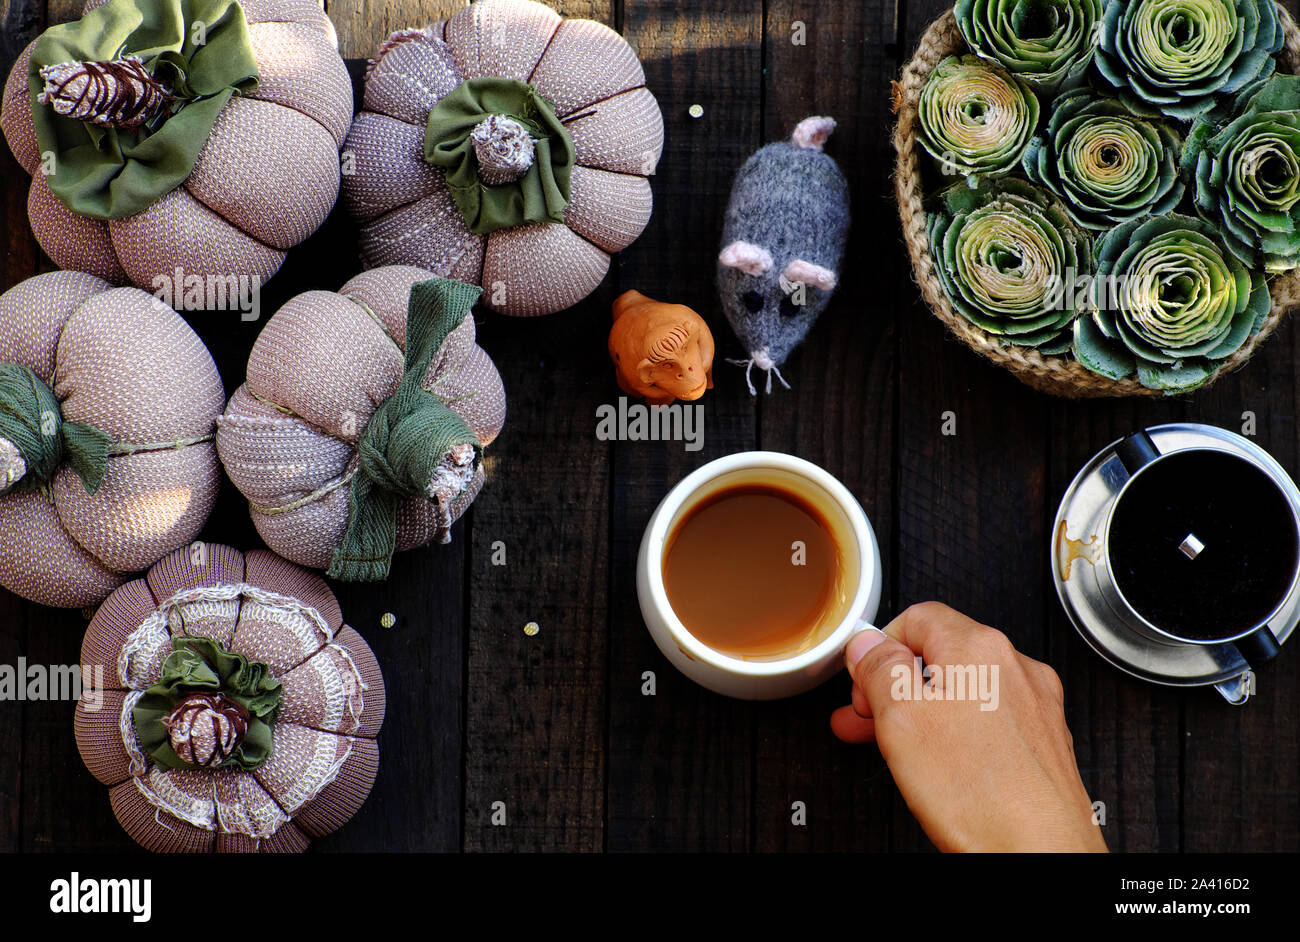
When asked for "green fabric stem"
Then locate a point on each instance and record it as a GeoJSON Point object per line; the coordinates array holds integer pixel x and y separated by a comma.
{"type": "Point", "coordinates": [31, 420]}
{"type": "Point", "coordinates": [407, 438]}
{"type": "Point", "coordinates": [204, 665]}
{"type": "Point", "coordinates": [200, 49]}
{"type": "Point", "coordinates": [540, 195]}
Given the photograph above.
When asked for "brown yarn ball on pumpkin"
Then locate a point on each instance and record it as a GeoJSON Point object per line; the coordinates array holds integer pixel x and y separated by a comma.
{"type": "Point", "coordinates": [264, 181]}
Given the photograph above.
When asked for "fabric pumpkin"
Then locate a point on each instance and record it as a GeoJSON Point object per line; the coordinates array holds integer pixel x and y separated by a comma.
{"type": "Point", "coordinates": [236, 167]}
{"type": "Point", "coordinates": [108, 406]}
{"type": "Point", "coordinates": [507, 147]}
{"type": "Point", "coordinates": [215, 652]}
{"type": "Point", "coordinates": [351, 443]}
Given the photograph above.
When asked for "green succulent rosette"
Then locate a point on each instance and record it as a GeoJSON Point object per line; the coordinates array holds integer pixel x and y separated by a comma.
{"type": "Point", "coordinates": [1173, 57]}
{"type": "Point", "coordinates": [1105, 163]}
{"type": "Point", "coordinates": [1045, 42]}
{"type": "Point", "coordinates": [1011, 261]}
{"type": "Point", "coordinates": [1246, 168]}
{"type": "Point", "coordinates": [976, 119]}
{"type": "Point", "coordinates": [1169, 304]}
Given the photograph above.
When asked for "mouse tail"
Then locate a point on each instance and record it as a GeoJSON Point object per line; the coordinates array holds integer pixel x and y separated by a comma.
{"type": "Point", "coordinates": [811, 133]}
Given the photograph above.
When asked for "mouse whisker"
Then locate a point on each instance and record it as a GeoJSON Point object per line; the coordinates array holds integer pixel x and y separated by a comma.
{"type": "Point", "coordinates": [748, 365]}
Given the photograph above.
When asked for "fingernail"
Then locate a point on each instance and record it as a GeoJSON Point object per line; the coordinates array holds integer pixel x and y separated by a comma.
{"type": "Point", "coordinates": [860, 644]}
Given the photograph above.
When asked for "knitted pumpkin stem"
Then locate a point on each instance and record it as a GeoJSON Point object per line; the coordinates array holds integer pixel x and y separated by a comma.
{"type": "Point", "coordinates": [504, 149]}
{"type": "Point", "coordinates": [120, 93]}
{"type": "Point", "coordinates": [12, 465]}
{"type": "Point", "coordinates": [453, 475]}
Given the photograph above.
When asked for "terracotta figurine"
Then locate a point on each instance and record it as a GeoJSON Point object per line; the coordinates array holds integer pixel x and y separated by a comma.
{"type": "Point", "coordinates": [661, 352]}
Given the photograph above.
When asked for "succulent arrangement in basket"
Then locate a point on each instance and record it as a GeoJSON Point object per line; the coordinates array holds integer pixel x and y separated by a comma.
{"type": "Point", "coordinates": [1118, 181]}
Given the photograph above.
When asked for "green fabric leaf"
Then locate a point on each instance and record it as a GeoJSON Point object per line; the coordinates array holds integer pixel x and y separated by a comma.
{"type": "Point", "coordinates": [203, 665]}
{"type": "Point", "coordinates": [407, 438]}
{"type": "Point", "coordinates": [540, 195]}
{"type": "Point", "coordinates": [31, 420]}
{"type": "Point", "coordinates": [199, 48]}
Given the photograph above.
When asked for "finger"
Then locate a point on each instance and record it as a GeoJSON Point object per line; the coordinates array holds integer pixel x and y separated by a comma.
{"type": "Point", "coordinates": [860, 704]}
{"type": "Point", "coordinates": [851, 728]}
{"type": "Point", "coordinates": [874, 671]}
{"type": "Point", "coordinates": [927, 628]}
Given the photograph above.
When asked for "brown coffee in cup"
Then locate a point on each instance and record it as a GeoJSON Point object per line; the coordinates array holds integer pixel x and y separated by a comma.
{"type": "Point", "coordinates": [755, 566]}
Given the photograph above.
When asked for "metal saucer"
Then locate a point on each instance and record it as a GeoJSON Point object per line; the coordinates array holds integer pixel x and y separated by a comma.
{"type": "Point", "coordinates": [1076, 545]}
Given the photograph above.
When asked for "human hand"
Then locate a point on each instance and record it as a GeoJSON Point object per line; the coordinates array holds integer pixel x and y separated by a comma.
{"type": "Point", "coordinates": [992, 771]}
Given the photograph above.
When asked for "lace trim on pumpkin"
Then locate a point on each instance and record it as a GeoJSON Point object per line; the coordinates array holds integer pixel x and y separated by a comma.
{"type": "Point", "coordinates": [154, 631]}
{"type": "Point", "coordinates": [154, 784]}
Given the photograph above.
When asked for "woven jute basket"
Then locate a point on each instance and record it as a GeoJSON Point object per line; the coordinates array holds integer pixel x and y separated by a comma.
{"type": "Point", "coordinates": [1057, 375]}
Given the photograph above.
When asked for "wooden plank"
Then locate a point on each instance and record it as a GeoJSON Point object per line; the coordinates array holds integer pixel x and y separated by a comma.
{"type": "Point", "coordinates": [972, 528]}
{"type": "Point", "coordinates": [1126, 732]}
{"type": "Point", "coordinates": [363, 24]}
{"type": "Point", "coordinates": [535, 704]}
{"type": "Point", "coordinates": [680, 762]}
{"type": "Point", "coordinates": [63, 807]}
{"type": "Point", "coordinates": [1242, 764]}
{"type": "Point", "coordinates": [23, 21]}
{"type": "Point", "coordinates": [416, 802]}
{"type": "Point", "coordinates": [13, 643]}
{"type": "Point", "coordinates": [838, 61]}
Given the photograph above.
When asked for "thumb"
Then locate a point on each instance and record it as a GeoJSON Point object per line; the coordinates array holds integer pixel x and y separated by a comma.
{"type": "Point", "coordinates": [875, 659]}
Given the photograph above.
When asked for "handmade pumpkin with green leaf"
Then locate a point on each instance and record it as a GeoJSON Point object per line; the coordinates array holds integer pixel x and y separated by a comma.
{"type": "Point", "coordinates": [360, 429]}
{"type": "Point", "coordinates": [507, 147]}
{"type": "Point", "coordinates": [172, 139]}
{"type": "Point", "coordinates": [108, 407]}
{"type": "Point", "coordinates": [232, 710]}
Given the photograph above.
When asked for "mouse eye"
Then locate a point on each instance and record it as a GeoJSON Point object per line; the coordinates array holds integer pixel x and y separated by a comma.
{"type": "Point", "coordinates": [788, 307]}
{"type": "Point", "coordinates": [753, 300]}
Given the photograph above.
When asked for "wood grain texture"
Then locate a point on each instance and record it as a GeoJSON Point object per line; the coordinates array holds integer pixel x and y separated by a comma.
{"type": "Point", "coordinates": [971, 478]}
{"type": "Point", "coordinates": [555, 725]}
{"type": "Point", "coordinates": [363, 24]}
{"type": "Point", "coordinates": [1242, 791]}
{"type": "Point", "coordinates": [681, 761]}
{"type": "Point", "coordinates": [535, 707]}
{"type": "Point", "coordinates": [836, 60]}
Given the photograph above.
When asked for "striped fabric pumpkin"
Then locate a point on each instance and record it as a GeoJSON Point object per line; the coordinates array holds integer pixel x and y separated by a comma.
{"type": "Point", "coordinates": [323, 758]}
{"type": "Point", "coordinates": [265, 179]}
{"type": "Point", "coordinates": [594, 84]}
{"type": "Point", "coordinates": [317, 375]}
{"type": "Point", "coordinates": [119, 361]}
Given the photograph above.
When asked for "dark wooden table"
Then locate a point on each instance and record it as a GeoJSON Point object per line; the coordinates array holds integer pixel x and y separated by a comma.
{"type": "Point", "coordinates": [555, 725]}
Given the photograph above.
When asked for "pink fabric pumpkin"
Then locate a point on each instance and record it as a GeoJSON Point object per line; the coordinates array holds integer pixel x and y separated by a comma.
{"type": "Point", "coordinates": [121, 362]}
{"type": "Point", "coordinates": [264, 181]}
{"type": "Point", "coordinates": [318, 373]}
{"type": "Point", "coordinates": [593, 81]}
{"type": "Point", "coordinates": [323, 756]}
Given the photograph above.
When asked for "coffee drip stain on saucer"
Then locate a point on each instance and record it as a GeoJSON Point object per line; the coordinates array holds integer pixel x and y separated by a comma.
{"type": "Point", "coordinates": [1068, 550]}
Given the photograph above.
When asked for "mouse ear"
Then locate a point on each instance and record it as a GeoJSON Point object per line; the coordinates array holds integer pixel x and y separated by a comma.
{"type": "Point", "coordinates": [809, 274]}
{"type": "Point", "coordinates": [747, 257]}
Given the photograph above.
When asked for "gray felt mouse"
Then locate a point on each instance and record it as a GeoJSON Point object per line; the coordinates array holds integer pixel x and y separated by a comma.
{"type": "Point", "coordinates": [782, 240]}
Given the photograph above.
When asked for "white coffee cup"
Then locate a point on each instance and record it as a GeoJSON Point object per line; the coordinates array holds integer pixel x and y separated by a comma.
{"type": "Point", "coordinates": [759, 679]}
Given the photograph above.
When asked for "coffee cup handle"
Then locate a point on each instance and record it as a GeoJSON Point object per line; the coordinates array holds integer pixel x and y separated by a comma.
{"type": "Point", "coordinates": [1136, 450]}
{"type": "Point", "coordinates": [1258, 646]}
